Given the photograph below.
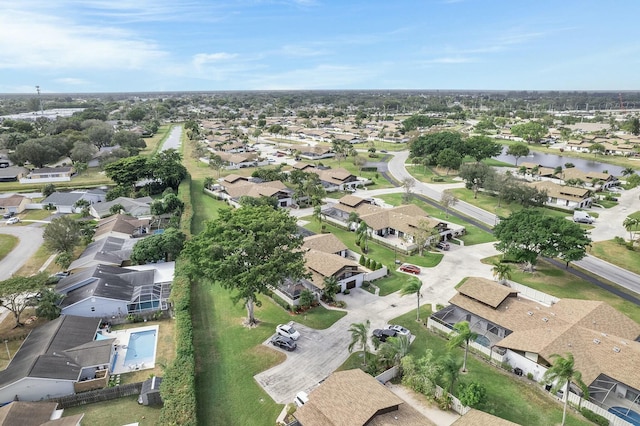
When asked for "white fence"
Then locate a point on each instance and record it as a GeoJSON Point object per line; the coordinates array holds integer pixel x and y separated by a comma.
{"type": "Point", "coordinates": [387, 375]}
{"type": "Point", "coordinates": [536, 295]}
{"type": "Point", "coordinates": [374, 275]}
{"type": "Point", "coordinates": [456, 405]}
{"type": "Point", "coordinates": [613, 419]}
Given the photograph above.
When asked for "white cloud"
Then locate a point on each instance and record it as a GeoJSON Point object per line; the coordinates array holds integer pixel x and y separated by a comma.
{"type": "Point", "coordinates": [208, 58]}
{"type": "Point", "coordinates": [301, 51]}
{"type": "Point", "coordinates": [36, 41]}
{"type": "Point", "coordinates": [72, 81]}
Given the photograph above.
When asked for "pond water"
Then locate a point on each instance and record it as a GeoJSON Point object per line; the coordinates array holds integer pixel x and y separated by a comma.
{"type": "Point", "coordinates": [555, 160]}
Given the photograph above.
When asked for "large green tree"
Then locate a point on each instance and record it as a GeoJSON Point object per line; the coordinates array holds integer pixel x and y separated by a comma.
{"type": "Point", "coordinates": [481, 147]}
{"type": "Point", "coordinates": [248, 251]}
{"type": "Point", "coordinates": [532, 131]}
{"type": "Point", "coordinates": [166, 166]}
{"type": "Point", "coordinates": [14, 293]}
{"type": "Point", "coordinates": [127, 171]}
{"type": "Point", "coordinates": [166, 246]}
{"type": "Point", "coordinates": [529, 233]}
{"type": "Point", "coordinates": [561, 373]}
{"type": "Point", "coordinates": [62, 234]}
{"type": "Point", "coordinates": [432, 144]}
{"type": "Point", "coordinates": [518, 150]}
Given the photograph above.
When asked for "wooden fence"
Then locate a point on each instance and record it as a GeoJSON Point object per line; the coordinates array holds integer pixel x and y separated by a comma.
{"type": "Point", "coordinates": [99, 395]}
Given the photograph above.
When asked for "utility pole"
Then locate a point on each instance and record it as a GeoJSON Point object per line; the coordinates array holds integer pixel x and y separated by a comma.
{"type": "Point", "coordinates": [39, 100]}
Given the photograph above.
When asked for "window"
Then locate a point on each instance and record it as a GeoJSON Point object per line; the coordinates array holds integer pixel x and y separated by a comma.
{"type": "Point", "coordinates": [93, 309]}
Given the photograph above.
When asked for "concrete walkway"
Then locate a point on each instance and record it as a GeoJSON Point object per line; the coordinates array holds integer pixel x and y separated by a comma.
{"type": "Point", "coordinates": [423, 405]}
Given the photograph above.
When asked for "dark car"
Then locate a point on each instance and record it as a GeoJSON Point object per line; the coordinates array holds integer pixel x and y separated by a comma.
{"type": "Point", "coordinates": [283, 342]}
{"type": "Point", "coordinates": [8, 215]}
{"type": "Point", "coordinates": [384, 334]}
{"type": "Point", "coordinates": [443, 245]}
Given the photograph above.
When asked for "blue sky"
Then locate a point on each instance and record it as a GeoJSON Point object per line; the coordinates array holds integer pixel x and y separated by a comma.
{"type": "Point", "coordinates": [175, 45]}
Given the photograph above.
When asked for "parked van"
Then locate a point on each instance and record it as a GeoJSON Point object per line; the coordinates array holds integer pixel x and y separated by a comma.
{"type": "Point", "coordinates": [582, 217]}
{"type": "Point", "coordinates": [301, 398]}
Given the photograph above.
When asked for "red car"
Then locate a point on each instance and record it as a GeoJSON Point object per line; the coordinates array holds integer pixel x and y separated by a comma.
{"type": "Point", "coordinates": [411, 269]}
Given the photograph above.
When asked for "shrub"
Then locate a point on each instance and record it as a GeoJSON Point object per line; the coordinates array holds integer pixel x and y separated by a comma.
{"type": "Point", "coordinates": [364, 259]}
{"type": "Point", "coordinates": [306, 298]}
{"type": "Point", "coordinates": [619, 241]}
{"type": "Point", "coordinates": [595, 418]}
{"type": "Point", "coordinates": [346, 291]}
{"type": "Point", "coordinates": [378, 265]}
{"type": "Point", "coordinates": [530, 375]}
{"type": "Point", "coordinates": [280, 301]}
{"type": "Point", "coordinates": [437, 179]}
{"type": "Point", "coordinates": [472, 394]}
{"type": "Point", "coordinates": [367, 263]}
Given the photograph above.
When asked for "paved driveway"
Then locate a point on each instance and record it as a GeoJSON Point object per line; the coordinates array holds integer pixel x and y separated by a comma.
{"type": "Point", "coordinates": [320, 352]}
{"type": "Point", "coordinates": [30, 237]}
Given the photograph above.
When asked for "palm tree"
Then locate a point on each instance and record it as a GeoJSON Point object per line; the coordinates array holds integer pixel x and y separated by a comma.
{"type": "Point", "coordinates": [362, 234]}
{"type": "Point", "coordinates": [450, 370]}
{"type": "Point", "coordinates": [359, 336]}
{"type": "Point", "coordinates": [331, 288]}
{"type": "Point", "coordinates": [628, 171]}
{"type": "Point", "coordinates": [631, 224]}
{"type": "Point", "coordinates": [394, 349]}
{"type": "Point", "coordinates": [413, 286]}
{"type": "Point", "coordinates": [354, 217]}
{"type": "Point", "coordinates": [501, 271]}
{"type": "Point", "coordinates": [562, 372]}
{"type": "Point", "coordinates": [464, 334]}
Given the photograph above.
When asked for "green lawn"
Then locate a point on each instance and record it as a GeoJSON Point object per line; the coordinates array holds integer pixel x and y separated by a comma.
{"type": "Point", "coordinates": [318, 317]}
{"type": "Point", "coordinates": [428, 173]}
{"type": "Point", "coordinates": [473, 236]}
{"type": "Point", "coordinates": [378, 181]}
{"type": "Point", "coordinates": [7, 243]}
{"type": "Point", "coordinates": [617, 254]}
{"type": "Point", "coordinates": [116, 412]}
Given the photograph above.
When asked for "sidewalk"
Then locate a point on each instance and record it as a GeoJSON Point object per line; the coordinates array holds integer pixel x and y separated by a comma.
{"type": "Point", "coordinates": [423, 405]}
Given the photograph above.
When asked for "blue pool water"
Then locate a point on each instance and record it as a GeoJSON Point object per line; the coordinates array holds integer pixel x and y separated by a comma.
{"type": "Point", "coordinates": [484, 341]}
{"type": "Point", "coordinates": [626, 414]}
{"type": "Point", "coordinates": [141, 347]}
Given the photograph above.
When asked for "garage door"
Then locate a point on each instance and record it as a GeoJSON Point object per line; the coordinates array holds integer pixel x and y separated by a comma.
{"type": "Point", "coordinates": [351, 284]}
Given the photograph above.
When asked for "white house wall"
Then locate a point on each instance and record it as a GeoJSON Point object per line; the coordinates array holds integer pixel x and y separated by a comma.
{"type": "Point", "coordinates": [35, 389]}
{"type": "Point", "coordinates": [103, 308]}
{"type": "Point", "coordinates": [526, 365]}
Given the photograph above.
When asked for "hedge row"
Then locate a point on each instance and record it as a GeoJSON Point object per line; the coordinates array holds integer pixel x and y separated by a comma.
{"type": "Point", "coordinates": [178, 388]}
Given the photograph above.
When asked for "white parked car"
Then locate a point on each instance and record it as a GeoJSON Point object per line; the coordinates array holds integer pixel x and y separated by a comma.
{"type": "Point", "coordinates": [400, 330]}
{"type": "Point", "coordinates": [13, 220]}
{"type": "Point", "coordinates": [287, 331]}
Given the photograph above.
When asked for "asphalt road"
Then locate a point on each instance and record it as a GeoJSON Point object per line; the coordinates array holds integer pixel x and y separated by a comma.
{"type": "Point", "coordinates": [30, 241]}
{"type": "Point", "coordinates": [173, 140]}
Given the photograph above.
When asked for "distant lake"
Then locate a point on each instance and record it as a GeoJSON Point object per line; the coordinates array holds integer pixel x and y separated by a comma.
{"type": "Point", "coordinates": [555, 160]}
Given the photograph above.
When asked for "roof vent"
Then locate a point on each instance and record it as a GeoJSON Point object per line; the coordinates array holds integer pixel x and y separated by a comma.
{"type": "Point", "coordinates": [530, 313]}
{"type": "Point", "coordinates": [545, 319]}
{"type": "Point", "coordinates": [604, 334]}
{"type": "Point", "coordinates": [616, 349]}
{"type": "Point", "coordinates": [623, 342]}
{"type": "Point", "coordinates": [596, 341]}
{"type": "Point", "coordinates": [553, 313]}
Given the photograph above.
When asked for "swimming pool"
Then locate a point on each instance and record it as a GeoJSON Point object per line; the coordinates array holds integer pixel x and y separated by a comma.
{"type": "Point", "coordinates": [484, 341]}
{"type": "Point", "coordinates": [141, 348]}
{"type": "Point", "coordinates": [626, 414]}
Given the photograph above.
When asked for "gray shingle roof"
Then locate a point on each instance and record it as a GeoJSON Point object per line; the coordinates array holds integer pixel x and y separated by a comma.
{"type": "Point", "coordinates": [62, 198]}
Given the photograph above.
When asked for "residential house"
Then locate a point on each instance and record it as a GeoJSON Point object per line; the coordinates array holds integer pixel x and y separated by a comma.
{"type": "Point", "coordinates": [564, 195]}
{"type": "Point", "coordinates": [105, 291]}
{"type": "Point", "coordinates": [240, 187]}
{"type": "Point", "coordinates": [108, 251]}
{"type": "Point", "coordinates": [303, 166]}
{"type": "Point", "coordinates": [136, 207]}
{"type": "Point", "coordinates": [65, 202]}
{"type": "Point", "coordinates": [323, 265]}
{"type": "Point", "coordinates": [13, 203]}
{"type": "Point", "coordinates": [338, 179]}
{"type": "Point", "coordinates": [316, 152]}
{"type": "Point", "coordinates": [13, 173]}
{"type": "Point", "coordinates": [326, 243]}
{"type": "Point", "coordinates": [238, 160]}
{"type": "Point", "coordinates": [121, 226]}
{"type": "Point", "coordinates": [25, 413]}
{"type": "Point", "coordinates": [49, 174]}
{"type": "Point", "coordinates": [56, 359]}
{"type": "Point", "coordinates": [354, 398]}
{"type": "Point", "coordinates": [590, 178]}
{"type": "Point", "coordinates": [526, 333]}
{"type": "Point", "coordinates": [475, 417]}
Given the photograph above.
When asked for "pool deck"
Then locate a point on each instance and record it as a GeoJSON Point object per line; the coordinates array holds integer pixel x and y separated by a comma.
{"type": "Point", "coordinates": [122, 343]}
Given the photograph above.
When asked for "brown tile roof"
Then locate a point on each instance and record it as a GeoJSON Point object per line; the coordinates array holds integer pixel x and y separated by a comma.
{"type": "Point", "coordinates": [121, 223]}
{"type": "Point", "coordinates": [480, 418]}
{"type": "Point", "coordinates": [326, 264]}
{"type": "Point", "coordinates": [251, 189]}
{"type": "Point", "coordinates": [574, 173]}
{"type": "Point", "coordinates": [570, 325]}
{"type": "Point", "coordinates": [327, 243]}
{"type": "Point", "coordinates": [346, 398]}
{"type": "Point", "coordinates": [65, 421]}
{"type": "Point", "coordinates": [26, 413]}
{"type": "Point", "coordinates": [232, 178]}
{"type": "Point", "coordinates": [11, 201]}
{"type": "Point", "coordinates": [352, 200]}
{"type": "Point", "coordinates": [561, 191]}
{"type": "Point", "coordinates": [302, 166]}
{"type": "Point", "coordinates": [485, 291]}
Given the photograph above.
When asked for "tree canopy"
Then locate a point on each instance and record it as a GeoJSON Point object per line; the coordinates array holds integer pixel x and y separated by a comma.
{"type": "Point", "coordinates": [527, 234]}
{"type": "Point", "coordinates": [13, 290]}
{"type": "Point", "coordinates": [532, 131]}
{"type": "Point", "coordinates": [247, 251]}
{"type": "Point", "coordinates": [62, 234]}
{"type": "Point", "coordinates": [166, 246]}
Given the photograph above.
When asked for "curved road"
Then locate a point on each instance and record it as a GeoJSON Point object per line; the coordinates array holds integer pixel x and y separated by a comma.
{"type": "Point", "coordinates": [30, 240]}
{"type": "Point", "coordinates": [606, 227]}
